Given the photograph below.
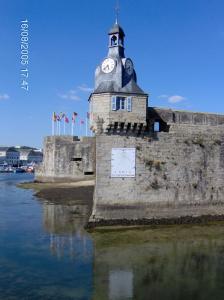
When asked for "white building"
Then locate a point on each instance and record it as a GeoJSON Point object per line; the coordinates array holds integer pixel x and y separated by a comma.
{"type": "Point", "coordinates": [30, 155]}
{"type": "Point", "coordinates": [23, 155]}
{"type": "Point", "coordinates": [9, 155]}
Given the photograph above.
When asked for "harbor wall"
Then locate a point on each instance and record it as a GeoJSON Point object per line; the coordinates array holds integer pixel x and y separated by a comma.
{"type": "Point", "coordinates": [66, 158]}
{"type": "Point", "coordinates": [179, 171]}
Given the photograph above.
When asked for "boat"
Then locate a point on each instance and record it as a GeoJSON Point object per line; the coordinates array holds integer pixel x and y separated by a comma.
{"type": "Point", "coordinates": [18, 170]}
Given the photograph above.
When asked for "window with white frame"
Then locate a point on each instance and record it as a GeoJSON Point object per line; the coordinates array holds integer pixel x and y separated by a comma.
{"type": "Point", "coordinates": [121, 103]}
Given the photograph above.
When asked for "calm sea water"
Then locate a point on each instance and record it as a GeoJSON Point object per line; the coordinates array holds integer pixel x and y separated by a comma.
{"type": "Point", "coordinates": [46, 254]}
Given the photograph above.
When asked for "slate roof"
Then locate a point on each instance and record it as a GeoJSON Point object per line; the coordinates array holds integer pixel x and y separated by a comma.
{"type": "Point", "coordinates": [116, 29]}
{"type": "Point", "coordinates": [8, 148]}
{"type": "Point", "coordinates": [112, 87]}
{"type": "Point", "coordinates": [35, 153]}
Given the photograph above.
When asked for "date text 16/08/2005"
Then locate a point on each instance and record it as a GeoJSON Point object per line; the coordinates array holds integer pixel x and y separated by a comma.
{"type": "Point", "coordinates": [24, 54]}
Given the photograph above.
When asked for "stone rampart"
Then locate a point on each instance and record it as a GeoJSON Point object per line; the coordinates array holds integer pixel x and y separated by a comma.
{"type": "Point", "coordinates": [67, 158]}
{"type": "Point", "coordinates": [179, 173]}
{"type": "Point", "coordinates": [170, 116]}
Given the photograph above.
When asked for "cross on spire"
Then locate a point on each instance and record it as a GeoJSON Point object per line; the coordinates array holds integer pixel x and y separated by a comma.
{"type": "Point", "coordinates": [117, 10]}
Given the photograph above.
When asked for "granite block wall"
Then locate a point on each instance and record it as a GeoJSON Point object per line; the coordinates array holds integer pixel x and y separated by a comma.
{"type": "Point", "coordinates": [67, 158]}
{"type": "Point", "coordinates": [178, 173]}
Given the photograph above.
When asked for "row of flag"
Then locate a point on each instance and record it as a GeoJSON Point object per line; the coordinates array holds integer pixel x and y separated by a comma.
{"type": "Point", "coordinates": [61, 116]}
{"type": "Point", "coordinates": [57, 118]}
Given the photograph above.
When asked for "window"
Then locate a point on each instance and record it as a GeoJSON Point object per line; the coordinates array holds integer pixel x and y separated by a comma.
{"type": "Point", "coordinates": [156, 127]}
{"type": "Point", "coordinates": [121, 103]}
{"type": "Point", "coordinates": [113, 40]}
{"type": "Point", "coordinates": [160, 126]}
{"type": "Point", "coordinates": [76, 159]}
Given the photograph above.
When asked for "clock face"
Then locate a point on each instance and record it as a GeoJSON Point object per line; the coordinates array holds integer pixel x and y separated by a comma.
{"type": "Point", "coordinates": [108, 65]}
{"type": "Point", "coordinates": [129, 66]}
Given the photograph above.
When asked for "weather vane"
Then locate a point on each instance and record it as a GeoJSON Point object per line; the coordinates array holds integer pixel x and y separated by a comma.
{"type": "Point", "coordinates": [117, 10]}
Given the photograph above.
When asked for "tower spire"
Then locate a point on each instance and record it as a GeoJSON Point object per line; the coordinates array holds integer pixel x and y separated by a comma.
{"type": "Point", "coordinates": [117, 10]}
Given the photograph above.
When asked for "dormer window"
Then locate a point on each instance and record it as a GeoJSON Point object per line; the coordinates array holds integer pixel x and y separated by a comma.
{"type": "Point", "coordinates": [121, 103]}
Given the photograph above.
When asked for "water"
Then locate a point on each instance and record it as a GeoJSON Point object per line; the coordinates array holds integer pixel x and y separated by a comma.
{"type": "Point", "coordinates": [35, 261]}
{"type": "Point", "coordinates": [46, 254]}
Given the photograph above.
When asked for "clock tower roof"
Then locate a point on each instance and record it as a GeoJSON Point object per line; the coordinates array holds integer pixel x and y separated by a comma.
{"type": "Point", "coordinates": [116, 74]}
{"type": "Point", "coordinates": [116, 29]}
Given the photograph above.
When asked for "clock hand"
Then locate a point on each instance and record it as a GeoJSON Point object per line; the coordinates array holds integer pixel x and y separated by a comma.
{"type": "Point", "coordinates": [106, 67]}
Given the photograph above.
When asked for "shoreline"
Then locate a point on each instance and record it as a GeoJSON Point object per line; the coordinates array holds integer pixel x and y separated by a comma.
{"type": "Point", "coordinates": [146, 223]}
{"type": "Point", "coordinates": [81, 193]}
{"type": "Point", "coordinates": [62, 193]}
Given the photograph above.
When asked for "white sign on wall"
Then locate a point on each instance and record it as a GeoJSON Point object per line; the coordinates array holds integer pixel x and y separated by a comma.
{"type": "Point", "coordinates": [123, 162]}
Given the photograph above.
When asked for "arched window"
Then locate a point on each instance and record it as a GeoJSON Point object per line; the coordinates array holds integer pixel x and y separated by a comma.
{"type": "Point", "coordinates": [113, 40]}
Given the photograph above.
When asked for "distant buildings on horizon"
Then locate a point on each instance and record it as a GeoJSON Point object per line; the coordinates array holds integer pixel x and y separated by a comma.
{"type": "Point", "coordinates": [20, 155]}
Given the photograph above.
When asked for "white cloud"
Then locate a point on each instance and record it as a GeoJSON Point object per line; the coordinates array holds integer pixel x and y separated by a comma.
{"type": "Point", "coordinates": [176, 99]}
{"type": "Point", "coordinates": [70, 95]}
{"type": "Point", "coordinates": [73, 94]}
{"type": "Point", "coordinates": [173, 98]}
{"type": "Point", "coordinates": [4, 97]}
{"type": "Point", "coordinates": [85, 88]}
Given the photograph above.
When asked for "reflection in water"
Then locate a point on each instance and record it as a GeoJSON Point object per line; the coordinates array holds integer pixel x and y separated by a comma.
{"type": "Point", "coordinates": [46, 254]}
{"type": "Point", "coordinates": [65, 223]}
{"type": "Point", "coordinates": [120, 284]}
{"type": "Point", "coordinates": [49, 259]}
{"type": "Point", "coordinates": [184, 262]}
{"type": "Point", "coordinates": [69, 218]}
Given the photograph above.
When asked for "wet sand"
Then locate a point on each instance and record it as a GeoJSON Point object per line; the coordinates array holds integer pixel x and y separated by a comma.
{"type": "Point", "coordinates": [63, 193]}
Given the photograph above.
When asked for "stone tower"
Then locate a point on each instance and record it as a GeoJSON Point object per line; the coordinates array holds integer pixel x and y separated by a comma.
{"type": "Point", "coordinates": [117, 102]}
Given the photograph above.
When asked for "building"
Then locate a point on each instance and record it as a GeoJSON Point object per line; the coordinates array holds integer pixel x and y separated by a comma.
{"type": "Point", "coordinates": [150, 164]}
{"type": "Point", "coordinates": [9, 155]}
{"type": "Point", "coordinates": [29, 155]}
{"type": "Point", "coordinates": [117, 103]}
{"type": "Point", "coordinates": [20, 155]}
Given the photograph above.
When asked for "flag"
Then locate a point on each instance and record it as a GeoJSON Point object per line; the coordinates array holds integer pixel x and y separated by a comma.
{"type": "Point", "coordinates": [54, 117]}
{"type": "Point", "coordinates": [66, 119]}
{"type": "Point", "coordinates": [58, 118]}
{"type": "Point", "coordinates": [62, 115]}
{"type": "Point", "coordinates": [82, 122]}
{"type": "Point", "coordinates": [74, 115]}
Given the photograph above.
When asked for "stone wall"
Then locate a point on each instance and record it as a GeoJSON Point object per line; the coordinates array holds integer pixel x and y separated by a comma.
{"type": "Point", "coordinates": [67, 158]}
{"type": "Point", "coordinates": [100, 107]}
{"type": "Point", "coordinates": [179, 170]}
{"type": "Point", "coordinates": [179, 173]}
{"type": "Point", "coordinates": [170, 116]}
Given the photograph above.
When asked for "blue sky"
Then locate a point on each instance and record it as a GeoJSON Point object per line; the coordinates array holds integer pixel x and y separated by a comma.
{"type": "Point", "coordinates": [177, 47]}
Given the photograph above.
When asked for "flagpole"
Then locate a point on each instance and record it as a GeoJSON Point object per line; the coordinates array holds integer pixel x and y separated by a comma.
{"type": "Point", "coordinates": [52, 126]}
{"type": "Point", "coordinates": [86, 126]}
{"type": "Point", "coordinates": [64, 125]}
{"type": "Point", "coordinates": [59, 127]}
{"type": "Point", "coordinates": [72, 128]}
{"type": "Point", "coordinates": [80, 128]}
